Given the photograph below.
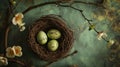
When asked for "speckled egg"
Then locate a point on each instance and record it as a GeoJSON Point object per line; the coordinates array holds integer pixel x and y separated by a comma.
{"type": "Point", "coordinates": [42, 37]}
{"type": "Point", "coordinates": [53, 45]}
{"type": "Point", "coordinates": [54, 34]}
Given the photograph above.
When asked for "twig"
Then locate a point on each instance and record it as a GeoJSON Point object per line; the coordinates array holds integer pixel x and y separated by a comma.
{"type": "Point", "coordinates": [90, 3]}
{"type": "Point", "coordinates": [96, 31]}
{"type": "Point", "coordinates": [62, 58]}
{"type": "Point", "coordinates": [17, 61]}
{"type": "Point", "coordinates": [71, 54]}
{"type": "Point", "coordinates": [58, 2]}
{"type": "Point", "coordinates": [10, 6]}
{"type": "Point", "coordinates": [81, 11]}
{"type": "Point", "coordinates": [9, 11]}
{"type": "Point", "coordinates": [2, 55]}
{"type": "Point", "coordinates": [105, 39]}
{"type": "Point", "coordinates": [6, 37]}
{"type": "Point", "coordinates": [49, 63]}
{"type": "Point", "coordinates": [39, 5]}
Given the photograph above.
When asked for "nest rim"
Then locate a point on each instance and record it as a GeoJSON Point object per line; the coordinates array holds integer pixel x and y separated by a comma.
{"type": "Point", "coordinates": [46, 23]}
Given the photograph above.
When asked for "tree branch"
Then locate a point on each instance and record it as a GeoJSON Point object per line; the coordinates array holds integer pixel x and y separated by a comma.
{"type": "Point", "coordinates": [58, 2]}
{"type": "Point", "coordinates": [81, 11]}
{"type": "Point", "coordinates": [6, 24]}
{"type": "Point", "coordinates": [90, 3]}
{"type": "Point", "coordinates": [62, 58]}
{"type": "Point", "coordinates": [17, 61]}
{"type": "Point", "coordinates": [6, 37]}
{"type": "Point", "coordinates": [10, 6]}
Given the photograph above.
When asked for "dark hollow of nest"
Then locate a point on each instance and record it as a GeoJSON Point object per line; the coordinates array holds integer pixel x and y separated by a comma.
{"type": "Point", "coordinates": [46, 23]}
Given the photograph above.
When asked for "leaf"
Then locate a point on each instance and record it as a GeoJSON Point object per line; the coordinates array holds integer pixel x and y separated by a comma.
{"type": "Point", "coordinates": [13, 2]}
{"type": "Point", "coordinates": [91, 27]}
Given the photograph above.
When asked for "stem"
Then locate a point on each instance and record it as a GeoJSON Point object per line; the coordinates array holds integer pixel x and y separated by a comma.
{"type": "Point", "coordinates": [2, 55]}
{"type": "Point", "coordinates": [10, 9]}
{"type": "Point", "coordinates": [58, 2]}
{"type": "Point", "coordinates": [96, 31]}
{"type": "Point", "coordinates": [62, 58]}
{"type": "Point", "coordinates": [90, 3]}
{"type": "Point", "coordinates": [105, 39]}
{"type": "Point", "coordinates": [10, 12]}
{"type": "Point", "coordinates": [17, 61]}
{"type": "Point", "coordinates": [70, 54]}
{"type": "Point", "coordinates": [39, 5]}
{"type": "Point", "coordinates": [48, 64]}
{"type": "Point", "coordinates": [6, 37]}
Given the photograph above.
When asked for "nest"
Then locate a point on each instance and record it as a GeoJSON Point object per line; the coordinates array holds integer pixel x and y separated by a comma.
{"type": "Point", "coordinates": [46, 23]}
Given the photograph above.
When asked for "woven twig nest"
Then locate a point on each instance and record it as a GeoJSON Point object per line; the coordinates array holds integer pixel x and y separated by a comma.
{"type": "Point", "coordinates": [46, 23]}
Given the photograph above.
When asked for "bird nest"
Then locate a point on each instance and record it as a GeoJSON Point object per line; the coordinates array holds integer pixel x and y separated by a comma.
{"type": "Point", "coordinates": [46, 23]}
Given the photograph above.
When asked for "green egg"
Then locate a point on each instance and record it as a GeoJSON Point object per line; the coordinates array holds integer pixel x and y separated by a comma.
{"type": "Point", "coordinates": [53, 45]}
{"type": "Point", "coordinates": [54, 34]}
{"type": "Point", "coordinates": [42, 37]}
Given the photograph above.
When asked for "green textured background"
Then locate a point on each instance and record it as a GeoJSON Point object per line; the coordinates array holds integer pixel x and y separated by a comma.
{"type": "Point", "coordinates": [91, 52]}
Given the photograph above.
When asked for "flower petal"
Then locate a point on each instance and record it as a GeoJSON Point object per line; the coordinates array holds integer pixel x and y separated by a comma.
{"type": "Point", "coordinates": [110, 43]}
{"type": "Point", "coordinates": [104, 35]}
{"type": "Point", "coordinates": [99, 37]}
{"type": "Point", "coordinates": [20, 24]}
{"type": "Point", "coordinates": [19, 54]}
{"type": "Point", "coordinates": [20, 15]}
{"type": "Point", "coordinates": [22, 28]}
{"type": "Point", "coordinates": [3, 61]}
{"type": "Point", "coordinates": [14, 21]}
{"type": "Point", "coordinates": [18, 51]}
{"type": "Point", "coordinates": [101, 34]}
{"type": "Point", "coordinates": [17, 19]}
{"type": "Point", "coordinates": [10, 52]}
{"type": "Point", "coordinates": [17, 47]}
